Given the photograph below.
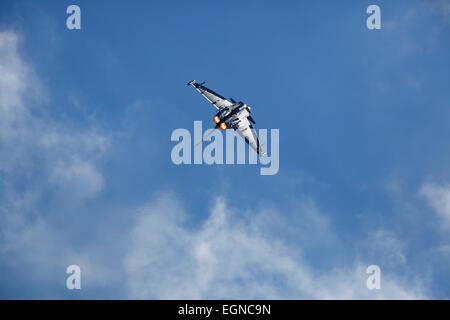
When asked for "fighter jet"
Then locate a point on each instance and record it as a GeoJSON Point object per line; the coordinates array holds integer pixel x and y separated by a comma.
{"type": "Point", "coordinates": [231, 115]}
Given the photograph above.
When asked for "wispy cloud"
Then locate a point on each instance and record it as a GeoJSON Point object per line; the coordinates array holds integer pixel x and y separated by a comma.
{"type": "Point", "coordinates": [39, 157]}
{"type": "Point", "coordinates": [33, 145]}
{"type": "Point", "coordinates": [438, 197]}
{"type": "Point", "coordinates": [231, 256]}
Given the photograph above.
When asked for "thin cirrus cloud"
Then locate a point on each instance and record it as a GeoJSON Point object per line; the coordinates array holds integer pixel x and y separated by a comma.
{"type": "Point", "coordinates": [39, 157]}
{"type": "Point", "coordinates": [231, 256]}
{"type": "Point", "coordinates": [34, 146]}
{"type": "Point", "coordinates": [438, 197]}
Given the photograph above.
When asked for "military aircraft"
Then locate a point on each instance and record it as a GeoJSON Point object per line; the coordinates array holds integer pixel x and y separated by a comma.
{"type": "Point", "coordinates": [231, 115]}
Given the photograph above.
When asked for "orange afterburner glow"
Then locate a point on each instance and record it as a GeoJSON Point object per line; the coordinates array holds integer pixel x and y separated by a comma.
{"type": "Point", "coordinates": [216, 119]}
{"type": "Point", "coordinates": [223, 126]}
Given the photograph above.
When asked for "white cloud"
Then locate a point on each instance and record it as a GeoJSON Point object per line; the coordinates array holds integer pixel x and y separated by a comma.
{"type": "Point", "coordinates": [35, 146]}
{"type": "Point", "coordinates": [79, 179]}
{"type": "Point", "coordinates": [13, 74]}
{"type": "Point", "coordinates": [40, 156]}
{"type": "Point", "coordinates": [387, 246]}
{"type": "Point", "coordinates": [438, 197]}
{"type": "Point", "coordinates": [231, 256]}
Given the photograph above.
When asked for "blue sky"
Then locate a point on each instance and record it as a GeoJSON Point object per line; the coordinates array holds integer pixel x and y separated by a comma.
{"type": "Point", "coordinates": [86, 175]}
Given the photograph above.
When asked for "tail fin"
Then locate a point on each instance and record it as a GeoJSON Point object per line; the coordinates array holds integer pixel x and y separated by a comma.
{"type": "Point", "coordinates": [191, 82]}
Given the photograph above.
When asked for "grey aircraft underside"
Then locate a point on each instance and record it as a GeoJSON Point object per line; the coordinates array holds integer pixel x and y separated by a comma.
{"type": "Point", "coordinates": [231, 115]}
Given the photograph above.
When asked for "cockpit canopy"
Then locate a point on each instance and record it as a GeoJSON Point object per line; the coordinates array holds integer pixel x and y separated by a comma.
{"type": "Point", "coordinates": [223, 112]}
